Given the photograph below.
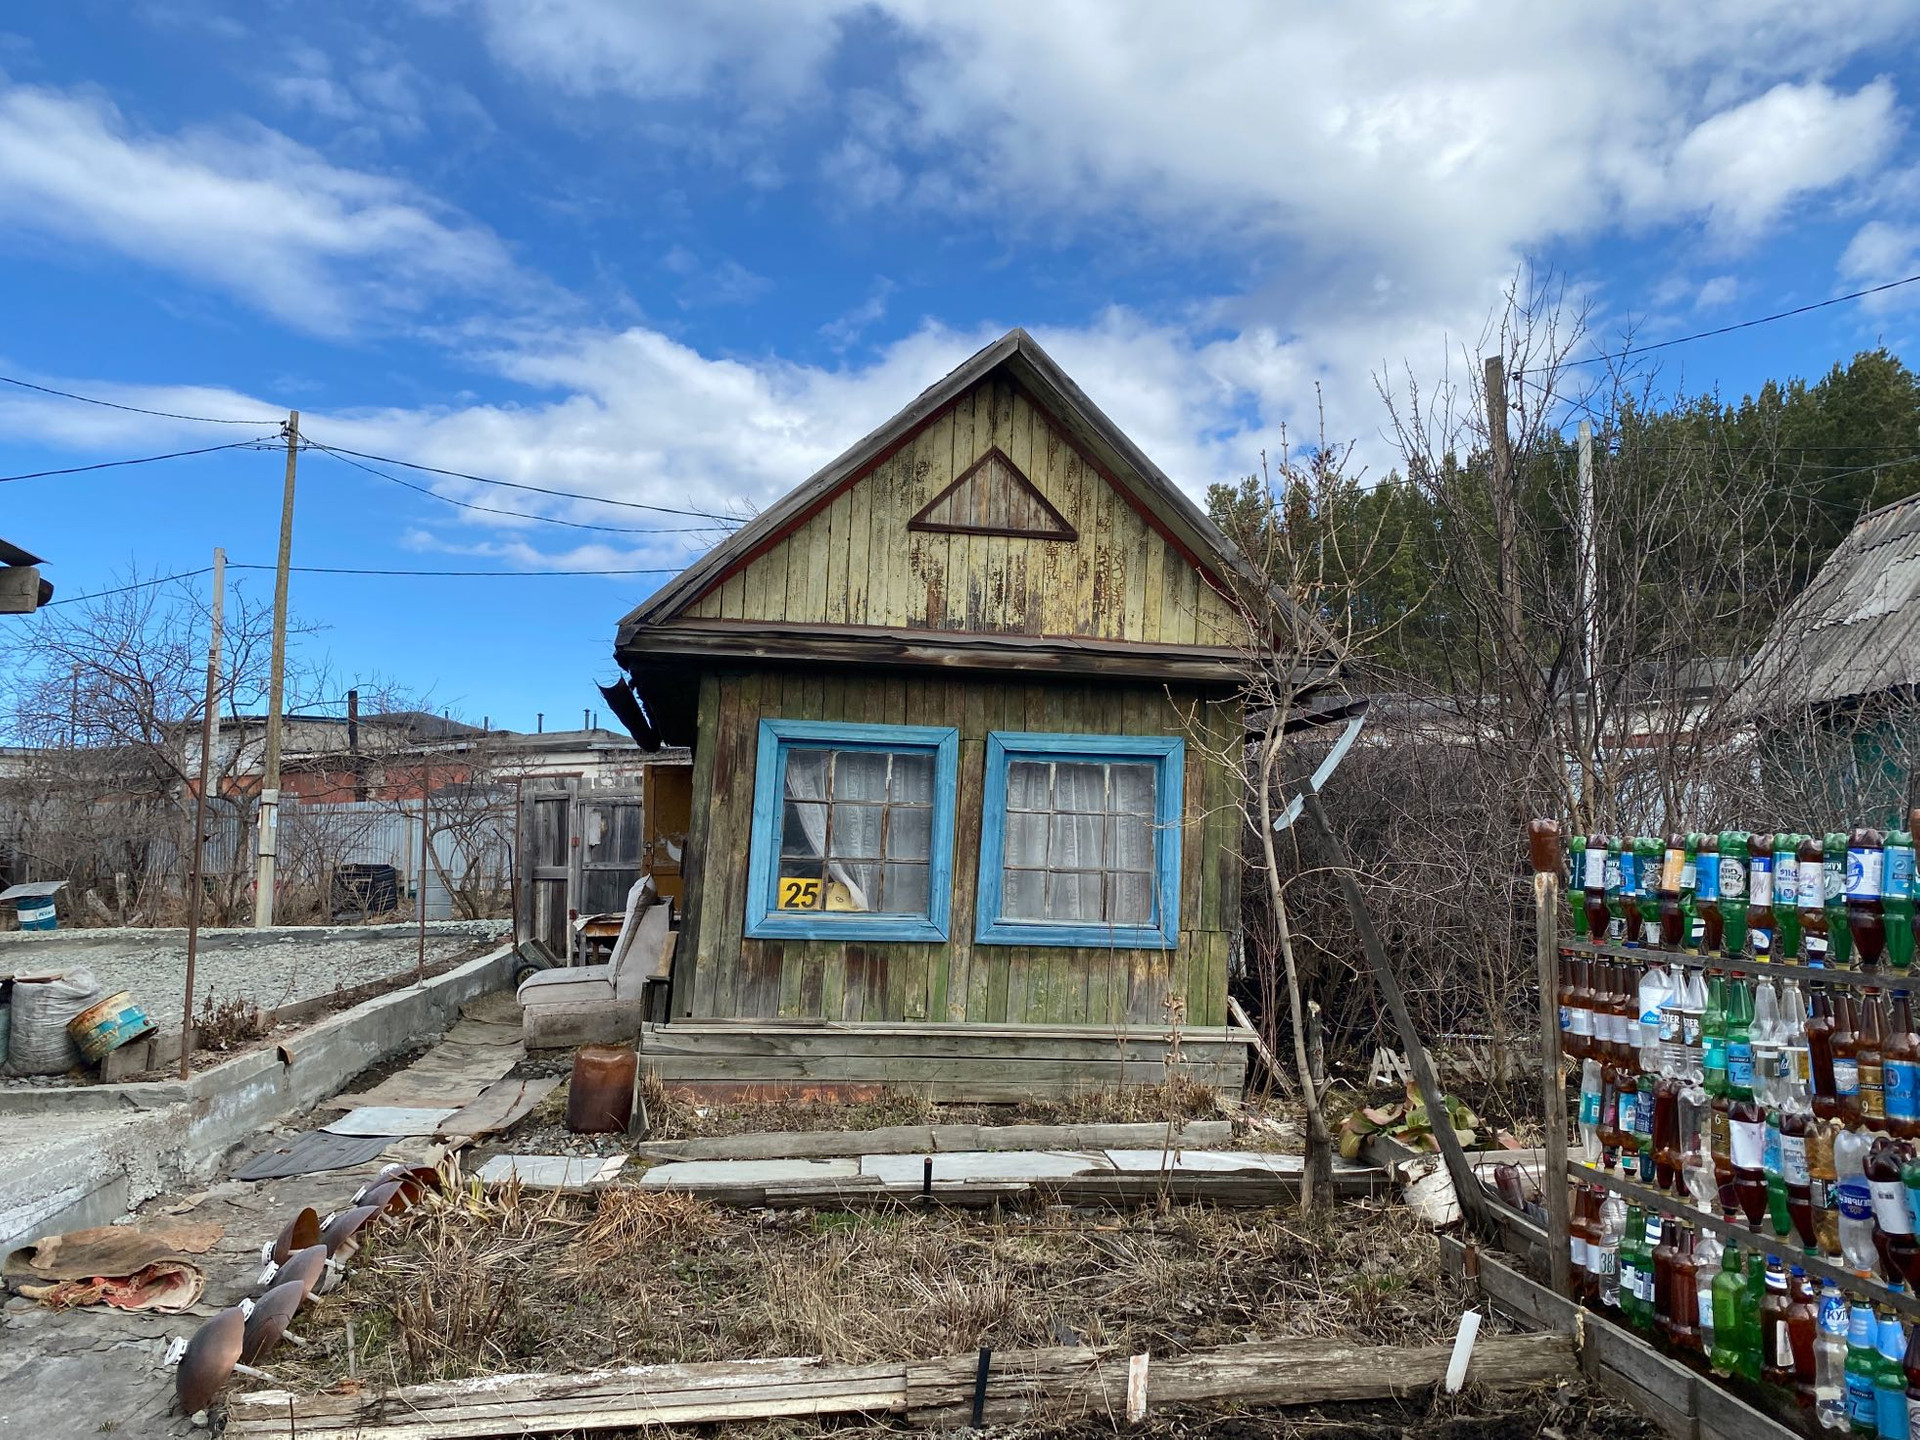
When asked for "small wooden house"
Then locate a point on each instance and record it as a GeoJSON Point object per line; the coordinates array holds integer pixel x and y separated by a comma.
{"type": "Point", "coordinates": [964, 710]}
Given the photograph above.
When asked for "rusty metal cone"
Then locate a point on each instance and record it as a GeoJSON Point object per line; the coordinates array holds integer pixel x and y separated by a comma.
{"type": "Point", "coordinates": [345, 1227]}
{"type": "Point", "coordinates": [208, 1362]}
{"type": "Point", "coordinates": [304, 1266]}
{"type": "Point", "coordinates": [388, 1195]}
{"type": "Point", "coordinates": [272, 1313]}
{"type": "Point", "coordinates": [299, 1232]}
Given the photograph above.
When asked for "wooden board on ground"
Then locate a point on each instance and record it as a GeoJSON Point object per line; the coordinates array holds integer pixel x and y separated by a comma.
{"type": "Point", "coordinates": [932, 1139]}
{"type": "Point", "coordinates": [1068, 1381]}
{"type": "Point", "coordinates": [500, 1106]}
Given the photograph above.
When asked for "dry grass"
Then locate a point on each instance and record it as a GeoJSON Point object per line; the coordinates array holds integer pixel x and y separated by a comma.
{"type": "Point", "coordinates": [229, 1024]}
{"type": "Point", "coordinates": [550, 1283]}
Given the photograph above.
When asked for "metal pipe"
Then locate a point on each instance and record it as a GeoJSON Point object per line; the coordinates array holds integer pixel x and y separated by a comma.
{"type": "Point", "coordinates": [209, 731]}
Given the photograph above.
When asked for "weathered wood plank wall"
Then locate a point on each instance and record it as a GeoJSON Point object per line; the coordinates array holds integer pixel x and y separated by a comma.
{"type": "Point", "coordinates": [720, 973]}
{"type": "Point", "coordinates": [857, 563]}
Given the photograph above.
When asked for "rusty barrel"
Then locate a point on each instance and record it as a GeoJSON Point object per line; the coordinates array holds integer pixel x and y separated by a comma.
{"type": "Point", "coordinates": [106, 1025]}
{"type": "Point", "coordinates": [600, 1099]}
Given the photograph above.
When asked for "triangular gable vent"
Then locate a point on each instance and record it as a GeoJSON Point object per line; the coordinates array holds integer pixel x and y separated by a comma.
{"type": "Point", "coordinates": [992, 497]}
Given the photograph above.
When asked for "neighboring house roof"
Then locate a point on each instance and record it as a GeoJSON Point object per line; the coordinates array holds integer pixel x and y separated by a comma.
{"type": "Point", "coordinates": [1855, 629]}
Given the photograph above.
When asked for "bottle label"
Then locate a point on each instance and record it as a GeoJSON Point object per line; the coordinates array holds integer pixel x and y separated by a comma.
{"type": "Point", "coordinates": [1786, 878]}
{"type": "Point", "coordinates": [1903, 1090]}
{"type": "Point", "coordinates": [1706, 1310]}
{"type": "Point", "coordinates": [1603, 1260]}
{"type": "Point", "coordinates": [1708, 871]}
{"type": "Point", "coordinates": [1833, 874]}
{"type": "Point", "coordinates": [1733, 878]}
{"type": "Point", "coordinates": [1612, 872]}
{"type": "Point", "coordinates": [1740, 1064]}
{"type": "Point", "coordinates": [1670, 1024]}
{"type": "Point", "coordinates": [1770, 1156]}
{"type": "Point", "coordinates": [1761, 939]}
{"type": "Point", "coordinates": [1581, 1020]}
{"type": "Point", "coordinates": [1690, 1028]}
{"type": "Point", "coordinates": [1782, 1356]}
{"type": "Point", "coordinates": [1595, 876]}
{"type": "Point", "coordinates": [1626, 1104]}
{"type": "Point", "coordinates": [1816, 948]}
{"type": "Point", "coordinates": [1873, 1092]}
{"type": "Point", "coordinates": [1860, 1329]}
{"type": "Point", "coordinates": [1717, 1053]}
{"type": "Point", "coordinates": [1673, 868]}
{"type": "Point", "coordinates": [1811, 887]}
{"type": "Point", "coordinates": [1796, 1065]}
{"type": "Point", "coordinates": [1629, 873]}
{"type": "Point", "coordinates": [1566, 1020]}
{"type": "Point", "coordinates": [1687, 869]}
{"type": "Point", "coordinates": [1862, 1408]}
{"type": "Point", "coordinates": [1655, 1226]}
{"type": "Point", "coordinates": [1589, 1107]}
{"type": "Point", "coordinates": [1719, 1138]}
{"type": "Point", "coordinates": [1897, 877]}
{"type": "Point", "coordinates": [1863, 874]}
{"type": "Point", "coordinates": [1760, 880]}
{"type": "Point", "coordinates": [1580, 1249]}
{"type": "Point", "coordinates": [1833, 1314]}
{"type": "Point", "coordinates": [1846, 1076]}
{"type": "Point", "coordinates": [1793, 1161]}
{"type": "Point", "coordinates": [1747, 1141]}
{"type": "Point", "coordinates": [1890, 1207]}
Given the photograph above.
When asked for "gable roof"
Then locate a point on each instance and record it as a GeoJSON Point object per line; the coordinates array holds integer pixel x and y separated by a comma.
{"type": "Point", "coordinates": [1855, 629]}
{"type": "Point", "coordinates": [1136, 478]}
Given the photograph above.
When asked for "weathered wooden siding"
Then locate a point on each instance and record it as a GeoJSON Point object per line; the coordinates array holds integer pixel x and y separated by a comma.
{"type": "Point", "coordinates": [719, 973]}
{"type": "Point", "coordinates": [857, 563]}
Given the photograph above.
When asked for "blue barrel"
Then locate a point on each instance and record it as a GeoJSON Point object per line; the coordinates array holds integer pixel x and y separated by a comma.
{"type": "Point", "coordinates": [106, 1025]}
{"type": "Point", "coordinates": [36, 913]}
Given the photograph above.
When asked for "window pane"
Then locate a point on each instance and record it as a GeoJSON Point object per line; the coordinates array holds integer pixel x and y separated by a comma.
{"type": "Point", "coordinates": [1026, 842]}
{"type": "Point", "coordinates": [859, 775]}
{"type": "Point", "coordinates": [1130, 842]}
{"type": "Point", "coordinates": [803, 828]}
{"type": "Point", "coordinates": [856, 832]}
{"type": "Point", "coordinates": [906, 888]}
{"type": "Point", "coordinates": [909, 832]}
{"type": "Point", "coordinates": [799, 885]}
{"type": "Point", "coordinates": [1078, 842]}
{"type": "Point", "coordinates": [1131, 899]}
{"type": "Point", "coordinates": [912, 779]}
{"type": "Point", "coordinates": [1074, 895]}
{"type": "Point", "coordinates": [1024, 896]}
{"type": "Point", "coordinates": [1027, 782]}
{"type": "Point", "coordinates": [1080, 787]}
{"type": "Point", "coordinates": [1132, 789]}
{"type": "Point", "coordinates": [807, 774]}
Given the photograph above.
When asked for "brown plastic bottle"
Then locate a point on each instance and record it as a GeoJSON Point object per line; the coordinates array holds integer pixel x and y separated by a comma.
{"type": "Point", "coordinates": [1869, 1048]}
{"type": "Point", "coordinates": [1720, 1147]}
{"type": "Point", "coordinates": [1673, 920]}
{"type": "Point", "coordinates": [1580, 1006]}
{"type": "Point", "coordinates": [1803, 1318]}
{"type": "Point", "coordinates": [1760, 921]}
{"type": "Point", "coordinates": [1797, 1137]}
{"type": "Point", "coordinates": [1582, 1233]}
{"type": "Point", "coordinates": [1902, 1070]}
{"type": "Point", "coordinates": [1666, 1132]}
{"type": "Point", "coordinates": [1892, 1221]}
{"type": "Point", "coordinates": [1865, 917]}
{"type": "Point", "coordinates": [1683, 1327]}
{"type": "Point", "coordinates": [1543, 847]}
{"type": "Point", "coordinates": [1747, 1140]}
{"type": "Point", "coordinates": [1625, 1025]}
{"type": "Point", "coordinates": [1820, 1024]}
{"type": "Point", "coordinates": [1813, 904]}
{"type": "Point", "coordinates": [1846, 1062]}
{"type": "Point", "coordinates": [1823, 1176]}
{"type": "Point", "coordinates": [1776, 1342]}
{"type": "Point", "coordinates": [600, 1097]}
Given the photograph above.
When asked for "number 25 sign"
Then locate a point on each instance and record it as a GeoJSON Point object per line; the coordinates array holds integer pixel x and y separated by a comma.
{"type": "Point", "coordinates": [798, 894]}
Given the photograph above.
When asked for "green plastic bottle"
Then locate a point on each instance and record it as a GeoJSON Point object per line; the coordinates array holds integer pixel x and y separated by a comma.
{"type": "Point", "coordinates": [1751, 1295]}
{"type": "Point", "coordinates": [1786, 891]}
{"type": "Point", "coordinates": [1863, 1368]}
{"type": "Point", "coordinates": [1617, 926]}
{"type": "Point", "coordinates": [1728, 1286]}
{"type": "Point", "coordinates": [1577, 885]}
{"type": "Point", "coordinates": [1647, 851]}
{"type": "Point", "coordinates": [1834, 882]}
{"type": "Point", "coordinates": [1896, 897]}
{"type": "Point", "coordinates": [1689, 898]}
{"type": "Point", "coordinates": [1713, 1034]}
{"type": "Point", "coordinates": [1733, 891]}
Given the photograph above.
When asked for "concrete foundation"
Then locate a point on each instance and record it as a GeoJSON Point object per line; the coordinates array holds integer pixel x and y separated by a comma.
{"type": "Point", "coordinates": [80, 1156]}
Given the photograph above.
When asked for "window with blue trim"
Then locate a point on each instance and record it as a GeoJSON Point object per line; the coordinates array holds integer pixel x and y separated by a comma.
{"type": "Point", "coordinates": [852, 831]}
{"type": "Point", "coordinates": [1080, 841]}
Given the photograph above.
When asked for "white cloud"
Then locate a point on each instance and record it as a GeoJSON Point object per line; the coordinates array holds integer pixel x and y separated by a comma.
{"type": "Point", "coordinates": [243, 210]}
{"type": "Point", "coordinates": [1717, 291]}
{"type": "Point", "coordinates": [1746, 164]}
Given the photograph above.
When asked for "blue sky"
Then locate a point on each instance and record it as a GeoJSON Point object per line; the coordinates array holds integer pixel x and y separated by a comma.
{"type": "Point", "coordinates": [681, 255]}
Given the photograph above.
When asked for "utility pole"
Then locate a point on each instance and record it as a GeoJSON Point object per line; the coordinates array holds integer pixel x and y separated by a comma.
{"type": "Point", "coordinates": [209, 737]}
{"type": "Point", "coordinates": [1506, 520]}
{"type": "Point", "coordinates": [426, 784]}
{"type": "Point", "coordinates": [276, 696]}
{"type": "Point", "coordinates": [1589, 613]}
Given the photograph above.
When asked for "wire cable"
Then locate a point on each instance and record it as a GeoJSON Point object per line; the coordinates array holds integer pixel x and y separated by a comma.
{"type": "Point", "coordinates": [123, 589]}
{"type": "Point", "coordinates": [517, 514]}
{"type": "Point", "coordinates": [141, 459]}
{"type": "Point", "coordinates": [461, 574]}
{"type": "Point", "coordinates": [1728, 329]}
{"type": "Point", "coordinates": [338, 450]}
{"type": "Point", "coordinates": [135, 409]}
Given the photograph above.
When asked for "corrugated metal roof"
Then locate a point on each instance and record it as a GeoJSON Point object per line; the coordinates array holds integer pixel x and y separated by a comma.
{"type": "Point", "coordinates": [1854, 630]}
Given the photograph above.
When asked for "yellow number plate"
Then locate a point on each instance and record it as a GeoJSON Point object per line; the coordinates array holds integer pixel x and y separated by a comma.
{"type": "Point", "coordinates": [798, 894]}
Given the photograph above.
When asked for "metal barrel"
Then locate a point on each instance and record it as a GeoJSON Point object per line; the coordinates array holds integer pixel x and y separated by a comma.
{"type": "Point", "coordinates": [106, 1025]}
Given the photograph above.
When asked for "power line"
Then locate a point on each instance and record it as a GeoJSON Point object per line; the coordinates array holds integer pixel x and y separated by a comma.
{"type": "Point", "coordinates": [462, 574]}
{"type": "Point", "coordinates": [139, 460]}
{"type": "Point", "coordinates": [1728, 329]}
{"type": "Point", "coordinates": [496, 510]}
{"type": "Point", "coordinates": [137, 585]}
{"type": "Point", "coordinates": [338, 450]}
{"type": "Point", "coordinates": [132, 409]}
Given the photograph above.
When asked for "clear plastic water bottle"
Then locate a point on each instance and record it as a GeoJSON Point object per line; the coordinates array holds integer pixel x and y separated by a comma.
{"type": "Point", "coordinates": [1856, 1201]}
{"type": "Point", "coordinates": [1830, 1360]}
{"type": "Point", "coordinates": [1767, 1037]}
{"type": "Point", "coordinates": [1604, 1252]}
{"type": "Point", "coordinates": [1705, 1272]}
{"type": "Point", "coordinates": [1590, 1091]}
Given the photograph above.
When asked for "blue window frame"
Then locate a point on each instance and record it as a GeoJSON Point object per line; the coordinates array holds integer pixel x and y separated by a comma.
{"type": "Point", "coordinates": [1080, 841]}
{"type": "Point", "coordinates": [852, 832]}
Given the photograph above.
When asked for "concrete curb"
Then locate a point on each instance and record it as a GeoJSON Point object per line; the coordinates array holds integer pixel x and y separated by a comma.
{"type": "Point", "coordinates": [135, 1140]}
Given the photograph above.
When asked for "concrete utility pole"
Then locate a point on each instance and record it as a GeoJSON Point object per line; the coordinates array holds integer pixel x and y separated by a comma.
{"type": "Point", "coordinates": [1506, 519]}
{"type": "Point", "coordinates": [1589, 615]}
{"type": "Point", "coordinates": [276, 696]}
{"type": "Point", "coordinates": [209, 738]}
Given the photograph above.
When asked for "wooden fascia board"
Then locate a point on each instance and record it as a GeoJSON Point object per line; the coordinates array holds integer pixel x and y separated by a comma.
{"type": "Point", "coordinates": [737, 641]}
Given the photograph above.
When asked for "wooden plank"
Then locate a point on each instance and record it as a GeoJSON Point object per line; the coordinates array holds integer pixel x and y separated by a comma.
{"type": "Point", "coordinates": [932, 1139]}
{"type": "Point", "coordinates": [693, 969]}
{"type": "Point", "coordinates": [1092, 1042]}
{"type": "Point", "coordinates": [732, 803]}
{"type": "Point", "coordinates": [859, 546]}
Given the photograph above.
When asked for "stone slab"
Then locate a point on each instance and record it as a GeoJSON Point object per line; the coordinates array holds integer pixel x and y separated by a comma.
{"type": "Point", "coordinates": [552, 1172]}
{"type": "Point", "coordinates": [706, 1174]}
{"type": "Point", "coordinates": [391, 1120]}
{"type": "Point", "coordinates": [906, 1172]}
{"type": "Point", "coordinates": [1204, 1162]}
